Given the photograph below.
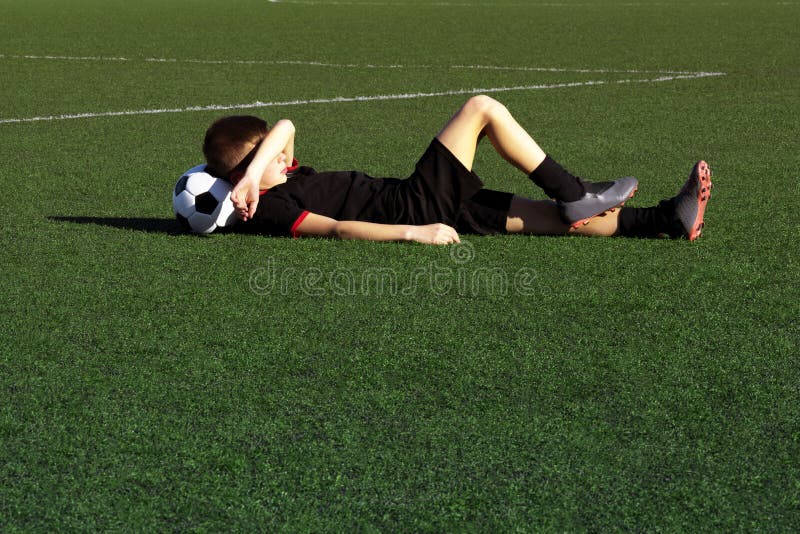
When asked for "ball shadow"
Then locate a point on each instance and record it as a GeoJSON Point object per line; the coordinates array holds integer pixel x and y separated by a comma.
{"type": "Point", "coordinates": [142, 224]}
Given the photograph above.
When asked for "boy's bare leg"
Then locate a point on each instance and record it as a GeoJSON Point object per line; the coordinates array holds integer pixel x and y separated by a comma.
{"type": "Point", "coordinates": [541, 217]}
{"type": "Point", "coordinates": [604, 225]}
{"type": "Point", "coordinates": [482, 115]}
{"type": "Point", "coordinates": [579, 201]}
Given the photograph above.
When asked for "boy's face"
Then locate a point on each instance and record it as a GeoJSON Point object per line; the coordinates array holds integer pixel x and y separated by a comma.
{"type": "Point", "coordinates": [274, 174]}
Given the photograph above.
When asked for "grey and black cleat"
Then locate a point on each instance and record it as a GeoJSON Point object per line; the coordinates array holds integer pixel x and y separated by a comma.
{"type": "Point", "coordinates": [599, 198]}
{"type": "Point", "coordinates": [690, 203]}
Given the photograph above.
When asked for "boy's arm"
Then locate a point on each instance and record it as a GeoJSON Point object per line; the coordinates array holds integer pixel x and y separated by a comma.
{"type": "Point", "coordinates": [280, 139]}
{"type": "Point", "coordinates": [288, 150]}
{"type": "Point", "coordinates": [433, 234]}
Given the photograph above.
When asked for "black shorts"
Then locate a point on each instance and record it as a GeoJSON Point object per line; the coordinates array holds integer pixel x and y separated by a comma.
{"type": "Point", "coordinates": [442, 190]}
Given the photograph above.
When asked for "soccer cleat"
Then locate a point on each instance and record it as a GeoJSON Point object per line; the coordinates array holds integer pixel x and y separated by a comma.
{"type": "Point", "coordinates": [690, 202]}
{"type": "Point", "coordinates": [599, 198]}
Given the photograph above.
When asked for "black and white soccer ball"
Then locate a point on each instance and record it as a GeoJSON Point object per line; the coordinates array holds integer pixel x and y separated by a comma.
{"type": "Point", "coordinates": [201, 202]}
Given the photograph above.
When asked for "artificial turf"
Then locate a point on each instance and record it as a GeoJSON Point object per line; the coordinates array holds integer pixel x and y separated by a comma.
{"type": "Point", "coordinates": [152, 380]}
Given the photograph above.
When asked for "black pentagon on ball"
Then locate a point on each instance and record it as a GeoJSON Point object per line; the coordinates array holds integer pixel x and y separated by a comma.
{"type": "Point", "coordinates": [181, 185]}
{"type": "Point", "coordinates": [184, 222]}
{"type": "Point", "coordinates": [205, 203]}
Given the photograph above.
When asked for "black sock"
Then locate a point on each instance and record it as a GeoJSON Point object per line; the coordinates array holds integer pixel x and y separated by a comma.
{"type": "Point", "coordinates": [556, 181]}
{"type": "Point", "coordinates": [649, 222]}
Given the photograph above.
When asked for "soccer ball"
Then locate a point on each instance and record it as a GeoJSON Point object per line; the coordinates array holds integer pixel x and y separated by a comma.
{"type": "Point", "coordinates": [201, 202]}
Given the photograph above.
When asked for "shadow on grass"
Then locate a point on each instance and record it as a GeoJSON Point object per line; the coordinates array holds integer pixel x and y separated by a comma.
{"type": "Point", "coordinates": [143, 224]}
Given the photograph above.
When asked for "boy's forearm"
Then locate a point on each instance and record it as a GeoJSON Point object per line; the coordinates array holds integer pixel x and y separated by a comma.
{"type": "Point", "coordinates": [433, 234]}
{"type": "Point", "coordinates": [373, 231]}
{"type": "Point", "coordinates": [288, 150]}
{"type": "Point", "coordinates": [280, 139]}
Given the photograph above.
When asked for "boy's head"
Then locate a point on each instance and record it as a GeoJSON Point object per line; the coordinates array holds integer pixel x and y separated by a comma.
{"type": "Point", "coordinates": [230, 142]}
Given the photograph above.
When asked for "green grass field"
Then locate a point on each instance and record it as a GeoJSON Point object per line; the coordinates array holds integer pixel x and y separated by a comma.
{"type": "Point", "coordinates": [154, 381]}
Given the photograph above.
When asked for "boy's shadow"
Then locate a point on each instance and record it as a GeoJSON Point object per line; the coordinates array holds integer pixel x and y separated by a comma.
{"type": "Point", "coordinates": [143, 224]}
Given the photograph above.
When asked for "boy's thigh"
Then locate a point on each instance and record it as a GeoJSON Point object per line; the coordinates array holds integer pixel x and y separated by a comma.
{"type": "Point", "coordinates": [461, 133]}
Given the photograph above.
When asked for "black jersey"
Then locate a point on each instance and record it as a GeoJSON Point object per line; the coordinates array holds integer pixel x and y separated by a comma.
{"type": "Point", "coordinates": [440, 189]}
{"type": "Point", "coordinates": [343, 195]}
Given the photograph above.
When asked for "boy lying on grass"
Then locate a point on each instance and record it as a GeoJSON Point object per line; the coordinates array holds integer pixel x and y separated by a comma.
{"type": "Point", "coordinates": [443, 197]}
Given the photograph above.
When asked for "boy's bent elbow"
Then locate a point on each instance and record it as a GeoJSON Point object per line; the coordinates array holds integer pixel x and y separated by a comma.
{"type": "Point", "coordinates": [285, 124]}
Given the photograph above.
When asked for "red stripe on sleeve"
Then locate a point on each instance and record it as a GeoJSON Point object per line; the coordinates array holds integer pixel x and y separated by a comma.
{"type": "Point", "coordinates": [303, 215]}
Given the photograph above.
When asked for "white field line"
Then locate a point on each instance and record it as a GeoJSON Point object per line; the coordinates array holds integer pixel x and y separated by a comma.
{"type": "Point", "coordinates": [484, 4]}
{"type": "Point", "coordinates": [364, 98]}
{"type": "Point", "coordinates": [426, 4]}
{"type": "Point", "coordinates": [333, 65]}
{"type": "Point", "coordinates": [507, 4]}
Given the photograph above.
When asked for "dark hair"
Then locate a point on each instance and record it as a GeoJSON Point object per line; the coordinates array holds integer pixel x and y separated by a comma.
{"type": "Point", "coordinates": [230, 142]}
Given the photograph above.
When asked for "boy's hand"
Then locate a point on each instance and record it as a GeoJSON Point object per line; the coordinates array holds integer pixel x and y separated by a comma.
{"type": "Point", "coordinates": [245, 198]}
{"type": "Point", "coordinates": [434, 234]}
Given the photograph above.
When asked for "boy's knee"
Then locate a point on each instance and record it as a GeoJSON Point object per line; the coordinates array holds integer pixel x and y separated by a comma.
{"type": "Point", "coordinates": [484, 106]}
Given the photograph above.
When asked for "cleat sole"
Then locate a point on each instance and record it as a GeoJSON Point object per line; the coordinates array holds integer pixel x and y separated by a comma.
{"type": "Point", "coordinates": [704, 176]}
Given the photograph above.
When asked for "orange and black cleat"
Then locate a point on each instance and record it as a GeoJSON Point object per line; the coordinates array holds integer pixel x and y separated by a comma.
{"type": "Point", "coordinates": [690, 203]}
{"type": "Point", "coordinates": [599, 198]}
